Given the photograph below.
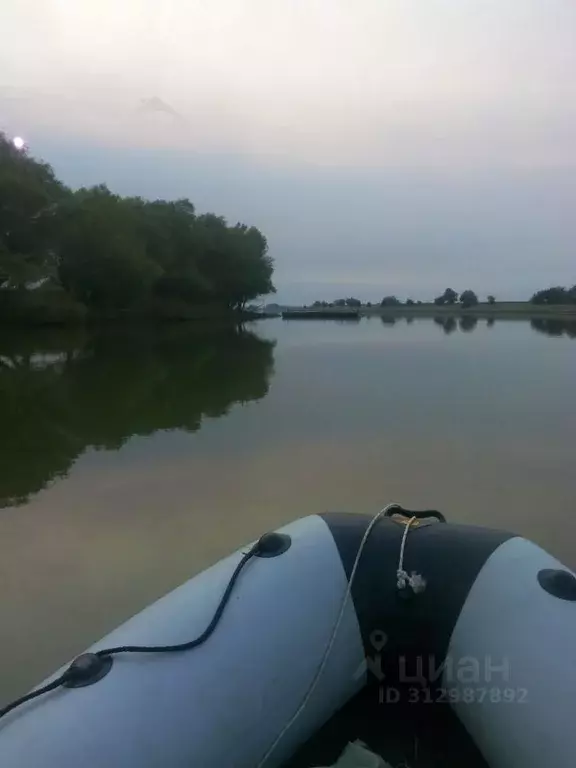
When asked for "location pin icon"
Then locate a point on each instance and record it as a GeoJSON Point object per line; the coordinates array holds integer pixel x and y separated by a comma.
{"type": "Point", "coordinates": [378, 639]}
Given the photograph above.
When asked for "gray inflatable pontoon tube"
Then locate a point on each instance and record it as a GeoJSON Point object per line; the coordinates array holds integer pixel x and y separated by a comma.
{"type": "Point", "coordinates": [494, 626]}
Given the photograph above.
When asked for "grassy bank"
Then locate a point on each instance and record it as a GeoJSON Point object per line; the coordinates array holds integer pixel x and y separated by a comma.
{"type": "Point", "coordinates": [500, 308]}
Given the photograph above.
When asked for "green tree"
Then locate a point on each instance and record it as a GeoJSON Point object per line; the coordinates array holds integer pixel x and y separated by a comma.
{"type": "Point", "coordinates": [468, 299]}
{"type": "Point", "coordinates": [352, 302]}
{"type": "Point", "coordinates": [253, 266]}
{"type": "Point", "coordinates": [173, 241]}
{"type": "Point", "coordinates": [556, 295]}
{"type": "Point", "coordinates": [29, 197]}
{"type": "Point", "coordinates": [340, 303]}
{"type": "Point", "coordinates": [448, 297]}
{"type": "Point", "coordinates": [390, 301]}
{"type": "Point", "coordinates": [108, 252]}
{"type": "Point", "coordinates": [491, 299]}
{"type": "Point", "coordinates": [103, 260]}
{"type": "Point", "coordinates": [234, 261]}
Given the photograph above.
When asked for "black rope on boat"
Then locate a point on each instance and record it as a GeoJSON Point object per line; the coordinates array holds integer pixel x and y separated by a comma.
{"type": "Point", "coordinates": [73, 676]}
{"type": "Point", "coordinates": [201, 638]}
{"type": "Point", "coordinates": [34, 694]}
{"type": "Point", "coordinates": [423, 515]}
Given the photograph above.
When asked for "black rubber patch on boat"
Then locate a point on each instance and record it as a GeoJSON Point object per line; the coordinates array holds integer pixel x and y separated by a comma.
{"type": "Point", "coordinates": [273, 544]}
{"type": "Point", "coordinates": [561, 584]}
{"type": "Point", "coordinates": [418, 631]}
{"type": "Point", "coordinates": [87, 669]}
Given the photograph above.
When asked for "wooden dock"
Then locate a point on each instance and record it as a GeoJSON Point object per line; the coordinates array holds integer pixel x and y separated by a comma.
{"type": "Point", "coordinates": [321, 314]}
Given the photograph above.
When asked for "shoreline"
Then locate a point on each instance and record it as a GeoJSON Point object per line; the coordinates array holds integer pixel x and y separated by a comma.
{"type": "Point", "coordinates": [53, 309]}
{"type": "Point", "coordinates": [520, 309]}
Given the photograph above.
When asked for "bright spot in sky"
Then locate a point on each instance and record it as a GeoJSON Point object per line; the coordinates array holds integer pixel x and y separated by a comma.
{"type": "Point", "coordinates": [18, 142]}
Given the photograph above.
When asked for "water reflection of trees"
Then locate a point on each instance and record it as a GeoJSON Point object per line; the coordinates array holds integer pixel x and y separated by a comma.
{"type": "Point", "coordinates": [468, 323]}
{"type": "Point", "coordinates": [446, 322]}
{"type": "Point", "coordinates": [62, 393]}
{"type": "Point", "coordinates": [555, 326]}
{"type": "Point", "coordinates": [550, 326]}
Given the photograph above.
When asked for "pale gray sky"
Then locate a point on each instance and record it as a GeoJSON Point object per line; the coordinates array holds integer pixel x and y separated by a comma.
{"type": "Point", "coordinates": [382, 145]}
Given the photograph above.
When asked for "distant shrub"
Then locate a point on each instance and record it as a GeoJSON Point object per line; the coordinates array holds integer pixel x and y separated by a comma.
{"type": "Point", "coordinates": [468, 299]}
{"type": "Point", "coordinates": [448, 297]}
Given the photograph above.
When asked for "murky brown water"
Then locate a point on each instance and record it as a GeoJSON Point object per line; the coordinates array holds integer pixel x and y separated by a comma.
{"type": "Point", "coordinates": [129, 461]}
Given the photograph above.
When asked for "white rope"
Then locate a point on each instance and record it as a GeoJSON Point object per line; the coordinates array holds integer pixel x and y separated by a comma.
{"type": "Point", "coordinates": [414, 580]}
{"type": "Point", "coordinates": [324, 659]}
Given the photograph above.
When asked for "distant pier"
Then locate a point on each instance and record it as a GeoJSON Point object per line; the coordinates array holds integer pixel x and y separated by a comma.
{"type": "Point", "coordinates": [321, 314]}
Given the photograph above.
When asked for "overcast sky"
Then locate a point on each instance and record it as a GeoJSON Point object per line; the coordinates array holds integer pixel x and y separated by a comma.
{"type": "Point", "coordinates": [383, 146]}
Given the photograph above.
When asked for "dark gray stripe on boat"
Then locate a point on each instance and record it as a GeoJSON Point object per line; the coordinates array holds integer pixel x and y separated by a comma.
{"type": "Point", "coordinates": [448, 556]}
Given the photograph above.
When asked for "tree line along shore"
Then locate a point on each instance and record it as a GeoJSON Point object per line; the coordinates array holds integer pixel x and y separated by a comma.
{"type": "Point", "coordinates": [75, 255]}
{"type": "Point", "coordinates": [547, 301]}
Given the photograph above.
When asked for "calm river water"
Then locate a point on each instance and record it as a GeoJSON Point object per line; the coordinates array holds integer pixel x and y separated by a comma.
{"type": "Point", "coordinates": [130, 460]}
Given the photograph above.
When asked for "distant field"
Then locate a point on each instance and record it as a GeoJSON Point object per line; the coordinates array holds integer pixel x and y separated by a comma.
{"type": "Point", "coordinates": [523, 308]}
